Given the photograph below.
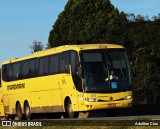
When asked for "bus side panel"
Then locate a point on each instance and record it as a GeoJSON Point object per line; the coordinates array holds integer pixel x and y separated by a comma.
{"type": "Point", "coordinates": [46, 95]}
{"type": "Point", "coordinates": [46, 101]}
{"type": "Point", "coordinates": [1, 104]}
{"type": "Point", "coordinates": [6, 103]}
{"type": "Point", "coordinates": [1, 110]}
{"type": "Point", "coordinates": [54, 84]}
{"type": "Point", "coordinates": [12, 109]}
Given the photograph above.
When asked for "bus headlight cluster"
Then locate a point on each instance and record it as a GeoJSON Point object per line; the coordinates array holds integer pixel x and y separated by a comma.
{"type": "Point", "coordinates": [127, 97]}
{"type": "Point", "coordinates": [91, 99]}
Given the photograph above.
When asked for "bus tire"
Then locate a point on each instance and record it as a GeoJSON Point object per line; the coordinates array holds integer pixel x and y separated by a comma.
{"type": "Point", "coordinates": [27, 111]}
{"type": "Point", "coordinates": [69, 111]}
{"type": "Point", "coordinates": [19, 112]}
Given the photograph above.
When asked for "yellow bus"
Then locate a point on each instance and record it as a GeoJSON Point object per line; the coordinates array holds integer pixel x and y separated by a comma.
{"type": "Point", "coordinates": [67, 80]}
{"type": "Point", "coordinates": [1, 105]}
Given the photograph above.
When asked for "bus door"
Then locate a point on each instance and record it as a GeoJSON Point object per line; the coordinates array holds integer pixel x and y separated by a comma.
{"type": "Point", "coordinates": [77, 80]}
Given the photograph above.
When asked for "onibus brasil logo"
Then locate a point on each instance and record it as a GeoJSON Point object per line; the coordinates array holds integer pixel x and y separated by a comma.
{"type": "Point", "coordinates": [21, 123]}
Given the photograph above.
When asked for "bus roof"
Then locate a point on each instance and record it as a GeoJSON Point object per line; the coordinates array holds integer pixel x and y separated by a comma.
{"type": "Point", "coordinates": [64, 48]}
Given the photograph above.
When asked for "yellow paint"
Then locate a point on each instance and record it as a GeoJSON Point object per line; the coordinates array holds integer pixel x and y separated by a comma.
{"type": "Point", "coordinates": [1, 104]}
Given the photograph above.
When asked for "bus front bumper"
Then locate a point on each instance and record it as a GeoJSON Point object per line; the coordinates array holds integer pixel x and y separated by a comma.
{"type": "Point", "coordinates": [88, 106]}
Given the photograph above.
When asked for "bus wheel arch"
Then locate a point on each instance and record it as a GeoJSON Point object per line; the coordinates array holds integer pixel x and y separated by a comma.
{"type": "Point", "coordinates": [27, 110]}
{"type": "Point", "coordinates": [69, 113]}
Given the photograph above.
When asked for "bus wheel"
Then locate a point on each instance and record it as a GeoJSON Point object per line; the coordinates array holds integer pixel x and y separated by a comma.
{"type": "Point", "coordinates": [27, 111]}
{"type": "Point", "coordinates": [111, 112]}
{"type": "Point", "coordinates": [19, 111]}
{"type": "Point", "coordinates": [69, 111]}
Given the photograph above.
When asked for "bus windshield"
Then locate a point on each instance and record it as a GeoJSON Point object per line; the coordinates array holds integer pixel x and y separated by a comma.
{"type": "Point", "coordinates": [105, 71]}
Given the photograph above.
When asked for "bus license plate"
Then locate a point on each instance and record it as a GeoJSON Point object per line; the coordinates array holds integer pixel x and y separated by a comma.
{"type": "Point", "coordinates": [111, 105]}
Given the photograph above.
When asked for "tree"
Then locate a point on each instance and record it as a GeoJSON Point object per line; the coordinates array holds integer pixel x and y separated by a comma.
{"type": "Point", "coordinates": [140, 18]}
{"type": "Point", "coordinates": [37, 46]}
{"type": "Point", "coordinates": [130, 17]}
{"type": "Point", "coordinates": [47, 46]}
{"type": "Point", "coordinates": [156, 18]}
{"type": "Point", "coordinates": [142, 41]}
{"type": "Point", "coordinates": [85, 21]}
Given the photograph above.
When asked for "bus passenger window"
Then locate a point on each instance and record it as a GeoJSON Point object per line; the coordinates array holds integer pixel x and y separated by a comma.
{"type": "Point", "coordinates": [41, 66]}
{"type": "Point", "coordinates": [46, 65]}
{"type": "Point", "coordinates": [9, 72]}
{"type": "Point", "coordinates": [33, 69]}
{"type": "Point", "coordinates": [63, 57]}
{"type": "Point", "coordinates": [54, 64]}
{"type": "Point", "coordinates": [4, 73]}
{"type": "Point", "coordinates": [16, 71]}
{"type": "Point", "coordinates": [51, 64]}
{"type": "Point", "coordinates": [25, 69]}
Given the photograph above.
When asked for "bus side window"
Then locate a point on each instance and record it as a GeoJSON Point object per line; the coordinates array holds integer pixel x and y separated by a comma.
{"type": "Point", "coordinates": [9, 72]}
{"type": "Point", "coordinates": [68, 62]}
{"type": "Point", "coordinates": [33, 67]}
{"type": "Point", "coordinates": [25, 69]}
{"type": "Point", "coordinates": [46, 65]}
{"type": "Point", "coordinates": [16, 71]}
{"type": "Point", "coordinates": [41, 66]}
{"type": "Point", "coordinates": [53, 64]}
{"type": "Point", "coordinates": [64, 62]}
{"type": "Point", "coordinates": [4, 73]}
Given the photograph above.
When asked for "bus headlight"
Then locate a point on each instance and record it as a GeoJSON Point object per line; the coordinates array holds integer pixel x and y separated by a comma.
{"type": "Point", "coordinates": [127, 97]}
{"type": "Point", "coordinates": [91, 99]}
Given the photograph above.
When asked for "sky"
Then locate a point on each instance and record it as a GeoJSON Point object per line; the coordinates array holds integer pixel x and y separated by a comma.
{"type": "Point", "coordinates": [24, 21]}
